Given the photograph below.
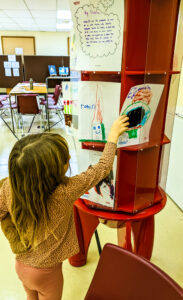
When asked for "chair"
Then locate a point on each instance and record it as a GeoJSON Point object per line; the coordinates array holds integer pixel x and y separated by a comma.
{"type": "Point", "coordinates": [53, 105]}
{"type": "Point", "coordinates": [4, 107]}
{"type": "Point", "coordinates": [122, 275]}
{"type": "Point", "coordinates": [27, 105]}
{"type": "Point", "coordinates": [52, 99]}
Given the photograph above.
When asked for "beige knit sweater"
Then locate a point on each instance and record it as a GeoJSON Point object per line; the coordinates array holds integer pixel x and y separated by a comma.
{"type": "Point", "coordinates": [51, 251]}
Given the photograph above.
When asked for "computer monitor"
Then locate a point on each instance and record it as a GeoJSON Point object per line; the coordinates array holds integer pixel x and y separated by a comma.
{"type": "Point", "coordinates": [63, 71]}
{"type": "Point", "coordinates": [52, 70]}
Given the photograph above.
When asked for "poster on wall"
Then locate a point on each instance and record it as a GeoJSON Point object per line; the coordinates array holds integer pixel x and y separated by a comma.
{"type": "Point", "coordinates": [140, 106]}
{"type": "Point", "coordinates": [104, 192]}
{"type": "Point", "coordinates": [99, 104]}
{"type": "Point", "coordinates": [97, 38]}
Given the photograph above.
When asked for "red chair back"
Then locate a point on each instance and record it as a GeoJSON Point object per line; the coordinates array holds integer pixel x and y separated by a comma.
{"type": "Point", "coordinates": [122, 275]}
{"type": "Point", "coordinates": [27, 104]}
{"type": "Point", "coordinates": [57, 92]}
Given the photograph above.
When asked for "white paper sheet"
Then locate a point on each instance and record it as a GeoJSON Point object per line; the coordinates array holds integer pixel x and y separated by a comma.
{"type": "Point", "coordinates": [11, 57]}
{"type": "Point", "coordinates": [7, 72]}
{"type": "Point", "coordinates": [19, 51]}
{"type": "Point", "coordinates": [98, 108]}
{"type": "Point", "coordinates": [15, 64]}
{"type": "Point", "coordinates": [97, 39]}
{"type": "Point", "coordinates": [16, 72]}
{"type": "Point", "coordinates": [104, 192]}
{"type": "Point", "coordinates": [7, 64]}
{"type": "Point", "coordinates": [140, 105]}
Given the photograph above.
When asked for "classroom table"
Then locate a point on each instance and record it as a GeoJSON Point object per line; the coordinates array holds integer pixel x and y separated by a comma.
{"type": "Point", "coordinates": [62, 78]}
{"type": "Point", "coordinates": [24, 88]}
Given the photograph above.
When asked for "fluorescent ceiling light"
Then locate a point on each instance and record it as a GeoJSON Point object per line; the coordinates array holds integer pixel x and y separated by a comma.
{"type": "Point", "coordinates": [67, 26]}
{"type": "Point", "coordinates": [64, 14]}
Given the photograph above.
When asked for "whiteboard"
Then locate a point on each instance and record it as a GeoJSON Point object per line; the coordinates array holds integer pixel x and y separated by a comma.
{"type": "Point", "coordinates": [174, 187]}
{"type": "Point", "coordinates": [99, 104]}
{"type": "Point", "coordinates": [97, 37]}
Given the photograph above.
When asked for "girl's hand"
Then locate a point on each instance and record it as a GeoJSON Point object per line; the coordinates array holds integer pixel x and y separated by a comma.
{"type": "Point", "coordinates": [119, 127]}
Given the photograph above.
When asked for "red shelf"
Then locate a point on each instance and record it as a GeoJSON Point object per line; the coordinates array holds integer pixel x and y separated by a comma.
{"type": "Point", "coordinates": [146, 145]}
{"type": "Point", "coordinates": [151, 72]}
{"type": "Point", "coordinates": [99, 146]}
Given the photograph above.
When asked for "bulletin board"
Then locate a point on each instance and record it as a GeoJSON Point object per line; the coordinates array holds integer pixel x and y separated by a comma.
{"type": "Point", "coordinates": [10, 43]}
{"type": "Point", "coordinates": [10, 81]}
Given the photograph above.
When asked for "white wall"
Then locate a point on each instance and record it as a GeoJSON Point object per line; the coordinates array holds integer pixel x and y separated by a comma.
{"type": "Point", "coordinates": [47, 43]}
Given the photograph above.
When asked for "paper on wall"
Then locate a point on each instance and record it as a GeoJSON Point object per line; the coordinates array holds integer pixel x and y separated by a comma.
{"type": "Point", "coordinates": [140, 106]}
{"type": "Point", "coordinates": [15, 64]}
{"type": "Point", "coordinates": [7, 64]}
{"type": "Point", "coordinates": [7, 72]}
{"type": "Point", "coordinates": [11, 57]}
{"type": "Point", "coordinates": [97, 38]}
{"type": "Point", "coordinates": [19, 51]}
{"type": "Point", "coordinates": [16, 72]}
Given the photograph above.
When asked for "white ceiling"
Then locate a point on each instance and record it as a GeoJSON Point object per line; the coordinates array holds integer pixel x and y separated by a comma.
{"type": "Point", "coordinates": [31, 15]}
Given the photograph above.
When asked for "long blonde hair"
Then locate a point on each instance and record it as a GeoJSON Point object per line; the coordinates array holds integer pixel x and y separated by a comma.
{"type": "Point", "coordinates": [36, 167]}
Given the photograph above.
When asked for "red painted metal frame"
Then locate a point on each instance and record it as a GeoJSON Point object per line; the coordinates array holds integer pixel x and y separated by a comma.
{"type": "Point", "coordinates": [148, 48]}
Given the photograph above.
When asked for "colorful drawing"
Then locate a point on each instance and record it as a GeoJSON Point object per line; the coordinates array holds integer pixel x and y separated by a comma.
{"type": "Point", "coordinates": [104, 192]}
{"type": "Point", "coordinates": [140, 106]}
{"type": "Point", "coordinates": [98, 128]}
{"type": "Point", "coordinates": [106, 186]}
{"type": "Point", "coordinates": [98, 108]}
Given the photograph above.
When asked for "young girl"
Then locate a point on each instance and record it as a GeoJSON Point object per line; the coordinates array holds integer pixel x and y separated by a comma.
{"type": "Point", "coordinates": [36, 203]}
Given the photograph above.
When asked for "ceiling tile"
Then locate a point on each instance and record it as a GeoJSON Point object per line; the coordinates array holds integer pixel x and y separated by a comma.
{"type": "Point", "coordinates": [41, 4]}
{"type": "Point", "coordinates": [46, 21]}
{"type": "Point", "coordinates": [22, 21]}
{"type": "Point", "coordinates": [3, 14]}
{"type": "Point", "coordinates": [13, 4]}
{"type": "Point", "coordinates": [11, 27]}
{"type": "Point", "coordinates": [48, 29]}
{"type": "Point", "coordinates": [6, 20]}
{"type": "Point", "coordinates": [63, 5]}
{"type": "Point", "coordinates": [44, 14]}
{"type": "Point", "coordinates": [18, 13]}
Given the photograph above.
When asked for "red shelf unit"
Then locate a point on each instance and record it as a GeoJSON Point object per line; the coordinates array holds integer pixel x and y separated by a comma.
{"type": "Point", "coordinates": [148, 48]}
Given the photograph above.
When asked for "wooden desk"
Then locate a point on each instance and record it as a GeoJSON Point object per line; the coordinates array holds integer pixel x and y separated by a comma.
{"type": "Point", "coordinates": [24, 88]}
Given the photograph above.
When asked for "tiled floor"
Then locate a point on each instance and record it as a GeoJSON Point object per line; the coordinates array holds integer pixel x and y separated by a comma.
{"type": "Point", "coordinates": [167, 253]}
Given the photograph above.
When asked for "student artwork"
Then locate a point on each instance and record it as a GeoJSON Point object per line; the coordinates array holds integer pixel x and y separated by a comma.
{"type": "Point", "coordinates": [98, 108]}
{"type": "Point", "coordinates": [98, 33]}
{"type": "Point", "coordinates": [98, 127]}
{"type": "Point", "coordinates": [104, 192]}
{"type": "Point", "coordinates": [52, 70]}
{"type": "Point", "coordinates": [140, 106]}
{"type": "Point", "coordinates": [73, 51]}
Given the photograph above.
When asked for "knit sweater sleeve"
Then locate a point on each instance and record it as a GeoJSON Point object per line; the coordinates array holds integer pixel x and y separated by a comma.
{"type": "Point", "coordinates": [3, 205]}
{"type": "Point", "coordinates": [81, 183]}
